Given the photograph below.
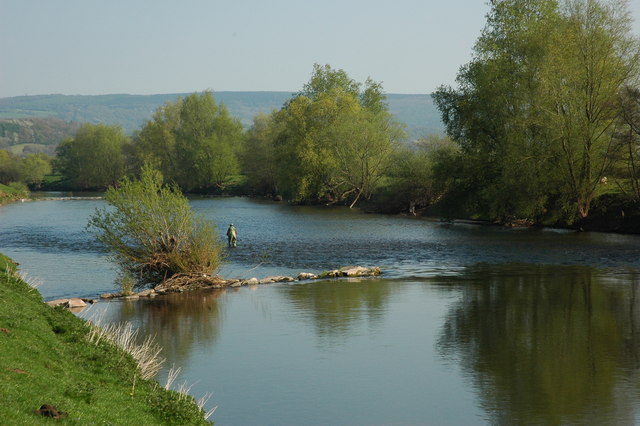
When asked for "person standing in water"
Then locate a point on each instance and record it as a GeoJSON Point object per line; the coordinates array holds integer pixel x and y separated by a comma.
{"type": "Point", "coordinates": [232, 235]}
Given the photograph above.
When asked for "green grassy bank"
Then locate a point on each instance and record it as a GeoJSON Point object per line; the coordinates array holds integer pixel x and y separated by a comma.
{"type": "Point", "coordinates": [45, 358]}
{"type": "Point", "coordinates": [13, 192]}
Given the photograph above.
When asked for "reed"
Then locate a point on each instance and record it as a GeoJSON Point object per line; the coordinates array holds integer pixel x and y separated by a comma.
{"type": "Point", "coordinates": [124, 336]}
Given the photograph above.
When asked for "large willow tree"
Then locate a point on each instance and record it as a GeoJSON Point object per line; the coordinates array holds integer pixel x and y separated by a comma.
{"type": "Point", "coordinates": [535, 110]}
{"type": "Point", "coordinates": [95, 157]}
{"type": "Point", "coordinates": [591, 58]}
{"type": "Point", "coordinates": [334, 139]}
{"type": "Point", "coordinates": [194, 142]}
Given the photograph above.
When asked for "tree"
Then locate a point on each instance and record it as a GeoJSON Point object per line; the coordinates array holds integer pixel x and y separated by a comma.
{"type": "Point", "coordinates": [628, 138]}
{"type": "Point", "coordinates": [194, 141]}
{"type": "Point", "coordinates": [259, 161]}
{"type": "Point", "coordinates": [9, 167]}
{"type": "Point", "coordinates": [361, 144]}
{"type": "Point", "coordinates": [592, 56]}
{"type": "Point", "coordinates": [151, 232]}
{"type": "Point", "coordinates": [34, 168]}
{"type": "Point", "coordinates": [156, 142]}
{"type": "Point", "coordinates": [492, 114]}
{"type": "Point", "coordinates": [535, 110]}
{"type": "Point", "coordinates": [334, 139]}
{"type": "Point", "coordinates": [94, 157]}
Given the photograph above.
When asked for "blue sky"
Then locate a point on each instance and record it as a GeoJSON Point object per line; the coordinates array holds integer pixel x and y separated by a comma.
{"type": "Point", "coordinates": [159, 46]}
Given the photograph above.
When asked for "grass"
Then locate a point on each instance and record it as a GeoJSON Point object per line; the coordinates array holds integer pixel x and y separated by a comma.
{"type": "Point", "coordinates": [46, 358]}
{"type": "Point", "coordinates": [12, 192]}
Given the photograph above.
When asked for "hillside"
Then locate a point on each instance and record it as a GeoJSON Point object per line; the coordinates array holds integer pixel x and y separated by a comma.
{"type": "Point", "coordinates": [24, 136]}
{"type": "Point", "coordinates": [131, 111]}
{"type": "Point", "coordinates": [48, 358]}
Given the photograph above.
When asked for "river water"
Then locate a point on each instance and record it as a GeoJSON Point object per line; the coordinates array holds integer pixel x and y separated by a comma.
{"type": "Point", "coordinates": [469, 325]}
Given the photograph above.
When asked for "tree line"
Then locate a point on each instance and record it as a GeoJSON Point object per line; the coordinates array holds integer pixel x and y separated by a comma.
{"type": "Point", "coordinates": [546, 113]}
{"type": "Point", "coordinates": [542, 126]}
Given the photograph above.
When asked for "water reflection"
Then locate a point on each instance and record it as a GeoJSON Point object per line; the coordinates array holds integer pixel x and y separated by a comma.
{"type": "Point", "coordinates": [547, 344]}
{"type": "Point", "coordinates": [335, 307]}
{"type": "Point", "coordinates": [180, 322]}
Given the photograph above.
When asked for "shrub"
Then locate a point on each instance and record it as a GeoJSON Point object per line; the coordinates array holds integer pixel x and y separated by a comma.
{"type": "Point", "coordinates": [150, 230]}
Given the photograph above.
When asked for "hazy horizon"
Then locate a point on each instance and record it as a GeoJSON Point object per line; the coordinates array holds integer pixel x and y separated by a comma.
{"type": "Point", "coordinates": [90, 47]}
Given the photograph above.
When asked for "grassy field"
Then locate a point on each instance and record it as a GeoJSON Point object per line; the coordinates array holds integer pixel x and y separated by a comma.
{"type": "Point", "coordinates": [12, 193]}
{"type": "Point", "coordinates": [46, 358]}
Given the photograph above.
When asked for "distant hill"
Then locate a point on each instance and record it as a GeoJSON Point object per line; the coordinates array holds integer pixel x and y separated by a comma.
{"type": "Point", "coordinates": [131, 111]}
{"type": "Point", "coordinates": [24, 136]}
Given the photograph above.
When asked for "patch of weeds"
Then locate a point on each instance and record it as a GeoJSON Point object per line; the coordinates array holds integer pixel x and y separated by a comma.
{"type": "Point", "coordinates": [174, 408]}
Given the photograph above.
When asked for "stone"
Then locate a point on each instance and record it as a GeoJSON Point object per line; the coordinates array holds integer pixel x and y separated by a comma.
{"type": "Point", "coordinates": [331, 274]}
{"type": "Point", "coordinates": [109, 295]}
{"type": "Point", "coordinates": [76, 303]}
{"type": "Point", "coordinates": [57, 302]}
{"type": "Point", "coordinates": [146, 293]}
{"type": "Point", "coordinates": [307, 276]}
{"type": "Point", "coordinates": [353, 271]}
{"type": "Point", "coordinates": [67, 303]}
{"type": "Point", "coordinates": [359, 271]}
{"type": "Point", "coordinates": [252, 281]}
{"type": "Point", "coordinates": [276, 279]}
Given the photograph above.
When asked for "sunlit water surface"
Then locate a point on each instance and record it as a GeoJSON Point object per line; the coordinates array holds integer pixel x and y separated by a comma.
{"type": "Point", "coordinates": [470, 325]}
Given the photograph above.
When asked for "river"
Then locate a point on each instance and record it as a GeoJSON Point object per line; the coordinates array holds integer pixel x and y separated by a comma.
{"type": "Point", "coordinates": [468, 325]}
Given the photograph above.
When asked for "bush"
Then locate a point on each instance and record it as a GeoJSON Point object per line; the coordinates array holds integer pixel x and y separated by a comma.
{"type": "Point", "coordinates": [152, 233]}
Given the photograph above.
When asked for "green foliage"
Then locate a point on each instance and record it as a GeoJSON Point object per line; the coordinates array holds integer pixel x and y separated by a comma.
{"type": "Point", "coordinates": [258, 157]}
{"type": "Point", "coordinates": [34, 135]}
{"type": "Point", "coordinates": [194, 142]}
{"type": "Point", "coordinates": [13, 192]}
{"type": "Point", "coordinates": [94, 158]}
{"type": "Point", "coordinates": [24, 171]}
{"type": "Point", "coordinates": [333, 141]}
{"type": "Point", "coordinates": [151, 232]}
{"type": "Point", "coordinates": [9, 167]}
{"type": "Point", "coordinates": [628, 138]}
{"type": "Point", "coordinates": [535, 111]}
{"type": "Point", "coordinates": [34, 168]}
{"type": "Point", "coordinates": [133, 111]}
{"type": "Point", "coordinates": [417, 178]}
{"type": "Point", "coordinates": [46, 359]}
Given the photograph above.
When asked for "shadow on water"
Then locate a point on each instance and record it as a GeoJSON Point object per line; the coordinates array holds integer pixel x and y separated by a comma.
{"type": "Point", "coordinates": [177, 321]}
{"type": "Point", "coordinates": [547, 344]}
{"type": "Point", "coordinates": [335, 308]}
{"type": "Point", "coordinates": [536, 344]}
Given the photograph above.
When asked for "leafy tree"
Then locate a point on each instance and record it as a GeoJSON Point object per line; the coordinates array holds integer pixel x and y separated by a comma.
{"type": "Point", "coordinates": [334, 139]}
{"type": "Point", "coordinates": [414, 182]}
{"type": "Point", "coordinates": [492, 115]}
{"type": "Point", "coordinates": [360, 141]}
{"type": "Point", "coordinates": [194, 141]}
{"type": "Point", "coordinates": [34, 168]}
{"type": "Point", "coordinates": [591, 57]}
{"type": "Point", "coordinates": [535, 110]}
{"type": "Point", "coordinates": [94, 157]}
{"type": "Point", "coordinates": [628, 138]}
{"type": "Point", "coordinates": [258, 156]}
{"type": "Point", "coordinates": [152, 233]}
{"type": "Point", "coordinates": [155, 144]}
{"type": "Point", "coordinates": [9, 167]}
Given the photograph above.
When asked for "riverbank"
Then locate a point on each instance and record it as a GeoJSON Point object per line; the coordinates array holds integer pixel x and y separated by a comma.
{"type": "Point", "coordinates": [9, 194]}
{"type": "Point", "coordinates": [47, 360]}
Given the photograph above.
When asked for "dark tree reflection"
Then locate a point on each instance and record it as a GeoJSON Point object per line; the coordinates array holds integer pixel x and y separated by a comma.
{"type": "Point", "coordinates": [334, 307]}
{"type": "Point", "coordinates": [178, 321]}
{"type": "Point", "coordinates": [546, 344]}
